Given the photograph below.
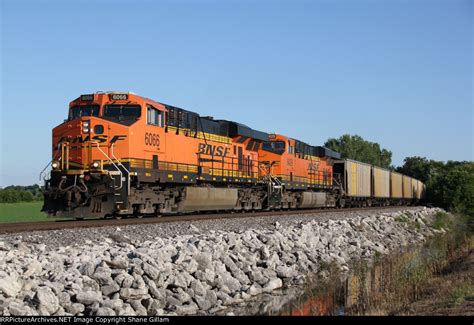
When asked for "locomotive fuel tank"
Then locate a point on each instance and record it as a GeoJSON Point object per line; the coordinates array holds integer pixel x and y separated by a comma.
{"type": "Point", "coordinates": [312, 200]}
{"type": "Point", "coordinates": [208, 199]}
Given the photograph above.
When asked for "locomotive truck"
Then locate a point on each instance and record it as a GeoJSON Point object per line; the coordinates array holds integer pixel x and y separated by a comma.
{"type": "Point", "coordinates": [122, 155]}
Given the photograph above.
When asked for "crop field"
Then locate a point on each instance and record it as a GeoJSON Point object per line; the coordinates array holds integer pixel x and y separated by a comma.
{"type": "Point", "coordinates": [22, 212]}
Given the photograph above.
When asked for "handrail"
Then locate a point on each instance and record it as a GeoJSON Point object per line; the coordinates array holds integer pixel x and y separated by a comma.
{"type": "Point", "coordinates": [41, 177]}
{"type": "Point", "coordinates": [111, 161]}
{"type": "Point", "coordinates": [121, 165]}
{"type": "Point", "coordinates": [273, 181]}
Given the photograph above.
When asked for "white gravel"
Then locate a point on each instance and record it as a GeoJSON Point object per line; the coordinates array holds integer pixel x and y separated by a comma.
{"type": "Point", "coordinates": [190, 268]}
{"type": "Point", "coordinates": [140, 233]}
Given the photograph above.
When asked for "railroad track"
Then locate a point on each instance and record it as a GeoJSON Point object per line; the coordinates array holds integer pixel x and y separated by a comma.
{"type": "Point", "coordinates": [8, 228]}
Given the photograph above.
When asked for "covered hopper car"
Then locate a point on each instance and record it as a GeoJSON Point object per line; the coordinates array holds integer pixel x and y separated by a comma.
{"type": "Point", "coordinates": [122, 155]}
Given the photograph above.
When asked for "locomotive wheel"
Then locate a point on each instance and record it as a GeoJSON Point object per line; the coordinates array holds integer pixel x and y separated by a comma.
{"type": "Point", "coordinates": [342, 203]}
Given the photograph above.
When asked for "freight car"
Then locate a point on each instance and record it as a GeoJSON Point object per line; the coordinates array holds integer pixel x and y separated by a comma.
{"type": "Point", "coordinates": [119, 154]}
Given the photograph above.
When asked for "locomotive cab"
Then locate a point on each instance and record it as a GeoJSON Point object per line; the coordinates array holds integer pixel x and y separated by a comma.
{"type": "Point", "coordinates": [87, 178]}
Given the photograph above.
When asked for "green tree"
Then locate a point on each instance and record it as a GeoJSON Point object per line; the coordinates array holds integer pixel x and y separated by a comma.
{"type": "Point", "coordinates": [453, 187]}
{"type": "Point", "coordinates": [9, 195]}
{"type": "Point", "coordinates": [355, 147]}
{"type": "Point", "coordinates": [421, 168]}
{"type": "Point", "coordinates": [25, 196]}
{"type": "Point", "coordinates": [448, 185]}
{"type": "Point", "coordinates": [12, 194]}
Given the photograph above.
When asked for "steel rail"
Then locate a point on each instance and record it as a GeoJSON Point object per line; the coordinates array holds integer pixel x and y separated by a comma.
{"type": "Point", "coordinates": [19, 227]}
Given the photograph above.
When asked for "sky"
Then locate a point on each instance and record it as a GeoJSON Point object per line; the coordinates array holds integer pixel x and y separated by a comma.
{"type": "Point", "coordinates": [399, 73]}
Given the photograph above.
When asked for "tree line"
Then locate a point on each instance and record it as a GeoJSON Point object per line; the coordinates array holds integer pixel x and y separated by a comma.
{"type": "Point", "coordinates": [14, 194]}
{"type": "Point", "coordinates": [355, 147]}
{"type": "Point", "coordinates": [449, 185]}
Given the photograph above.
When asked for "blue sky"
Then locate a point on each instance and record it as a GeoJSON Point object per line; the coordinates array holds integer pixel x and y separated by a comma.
{"type": "Point", "coordinates": [398, 73]}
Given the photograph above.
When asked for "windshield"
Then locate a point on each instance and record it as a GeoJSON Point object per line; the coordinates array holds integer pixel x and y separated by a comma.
{"type": "Point", "coordinates": [83, 110]}
{"type": "Point", "coordinates": [274, 146]}
{"type": "Point", "coordinates": [126, 114]}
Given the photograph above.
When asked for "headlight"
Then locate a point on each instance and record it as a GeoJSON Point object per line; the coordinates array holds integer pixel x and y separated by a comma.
{"type": "Point", "coordinates": [85, 127]}
{"type": "Point", "coordinates": [55, 165]}
{"type": "Point", "coordinates": [95, 164]}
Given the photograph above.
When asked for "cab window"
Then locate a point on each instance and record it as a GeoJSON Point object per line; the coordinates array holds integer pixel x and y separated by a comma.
{"type": "Point", "coordinates": [123, 114]}
{"type": "Point", "coordinates": [154, 116]}
{"type": "Point", "coordinates": [83, 110]}
{"type": "Point", "coordinates": [277, 147]}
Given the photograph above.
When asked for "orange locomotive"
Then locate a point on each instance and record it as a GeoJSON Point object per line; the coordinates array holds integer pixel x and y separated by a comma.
{"type": "Point", "coordinates": [119, 154]}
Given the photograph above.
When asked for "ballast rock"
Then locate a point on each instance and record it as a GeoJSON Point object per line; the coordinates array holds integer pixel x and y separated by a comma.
{"type": "Point", "coordinates": [201, 272]}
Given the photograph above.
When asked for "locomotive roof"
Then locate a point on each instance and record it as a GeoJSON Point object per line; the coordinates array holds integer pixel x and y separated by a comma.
{"type": "Point", "coordinates": [235, 128]}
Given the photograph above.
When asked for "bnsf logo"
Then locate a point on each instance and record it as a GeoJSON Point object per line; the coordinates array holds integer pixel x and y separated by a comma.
{"type": "Point", "coordinates": [152, 139]}
{"type": "Point", "coordinates": [96, 138]}
{"type": "Point", "coordinates": [209, 149]}
{"type": "Point", "coordinates": [313, 166]}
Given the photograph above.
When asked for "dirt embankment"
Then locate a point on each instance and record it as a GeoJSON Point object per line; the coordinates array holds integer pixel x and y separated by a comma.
{"type": "Point", "coordinates": [449, 293]}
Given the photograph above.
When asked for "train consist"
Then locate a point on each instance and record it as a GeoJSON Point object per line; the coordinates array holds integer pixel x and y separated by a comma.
{"type": "Point", "coordinates": [123, 155]}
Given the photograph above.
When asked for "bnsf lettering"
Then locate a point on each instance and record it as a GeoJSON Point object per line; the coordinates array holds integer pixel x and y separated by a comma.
{"type": "Point", "coordinates": [96, 138]}
{"type": "Point", "coordinates": [100, 138]}
{"type": "Point", "coordinates": [209, 149]}
{"type": "Point", "coordinates": [118, 138]}
{"type": "Point", "coordinates": [313, 167]}
{"type": "Point", "coordinates": [152, 139]}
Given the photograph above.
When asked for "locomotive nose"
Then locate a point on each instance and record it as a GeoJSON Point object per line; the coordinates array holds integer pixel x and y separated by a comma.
{"type": "Point", "coordinates": [94, 142]}
{"type": "Point", "coordinates": [76, 143]}
{"type": "Point", "coordinates": [92, 126]}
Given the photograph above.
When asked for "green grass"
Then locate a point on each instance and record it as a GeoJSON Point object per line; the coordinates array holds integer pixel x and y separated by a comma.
{"type": "Point", "coordinates": [441, 221]}
{"type": "Point", "coordinates": [402, 218]}
{"type": "Point", "coordinates": [461, 294]}
{"type": "Point", "coordinates": [22, 212]}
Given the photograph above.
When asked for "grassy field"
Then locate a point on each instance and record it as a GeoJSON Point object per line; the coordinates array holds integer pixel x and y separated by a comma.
{"type": "Point", "coordinates": [22, 212]}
